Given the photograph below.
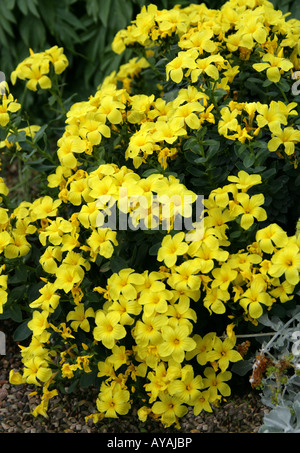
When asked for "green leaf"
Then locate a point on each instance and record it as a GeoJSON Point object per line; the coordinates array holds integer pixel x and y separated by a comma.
{"type": "Point", "coordinates": [192, 144]}
{"type": "Point", "coordinates": [20, 276]}
{"type": "Point", "coordinates": [32, 7]}
{"type": "Point", "coordinates": [149, 172]}
{"type": "Point", "coordinates": [22, 7]}
{"type": "Point", "coordinates": [15, 313]}
{"type": "Point", "coordinates": [32, 32]}
{"type": "Point", "coordinates": [22, 332]}
{"type": "Point", "coordinates": [105, 7]}
{"type": "Point", "coordinates": [73, 386]}
{"type": "Point", "coordinates": [154, 249]}
{"type": "Point", "coordinates": [117, 264]}
{"type": "Point", "coordinates": [242, 368]}
{"type": "Point", "coordinates": [195, 171]}
{"type": "Point", "coordinates": [88, 379]}
{"type": "Point", "coordinates": [40, 133]}
{"type": "Point", "coordinates": [278, 420]}
{"type": "Point", "coordinates": [249, 160]}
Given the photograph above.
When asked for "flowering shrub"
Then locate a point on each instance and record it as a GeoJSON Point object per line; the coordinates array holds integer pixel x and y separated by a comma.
{"type": "Point", "coordinates": [107, 290]}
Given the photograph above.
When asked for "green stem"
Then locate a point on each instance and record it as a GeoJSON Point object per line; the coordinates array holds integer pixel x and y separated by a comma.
{"type": "Point", "coordinates": [283, 94]}
{"type": "Point", "coordinates": [213, 99]}
{"type": "Point", "coordinates": [55, 91]}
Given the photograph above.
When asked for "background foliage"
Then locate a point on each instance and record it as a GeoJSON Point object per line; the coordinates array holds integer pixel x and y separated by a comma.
{"type": "Point", "coordinates": [85, 28]}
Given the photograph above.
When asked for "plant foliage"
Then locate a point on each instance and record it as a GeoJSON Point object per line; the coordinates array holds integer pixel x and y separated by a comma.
{"type": "Point", "coordinates": [107, 290]}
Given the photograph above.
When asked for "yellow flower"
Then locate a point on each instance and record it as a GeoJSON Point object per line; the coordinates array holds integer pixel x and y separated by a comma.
{"type": "Point", "coordinates": [57, 58]}
{"type": "Point", "coordinates": [155, 302]}
{"type": "Point", "coordinates": [42, 408]}
{"type": "Point", "coordinates": [286, 262]}
{"type": "Point", "coordinates": [67, 277]}
{"type": "Point", "coordinates": [250, 208]}
{"type": "Point", "coordinates": [15, 378]}
{"type": "Point", "coordinates": [55, 231]}
{"type": "Point", "coordinates": [84, 361]}
{"type": "Point", "coordinates": [183, 278]}
{"type": "Point", "coordinates": [148, 330]}
{"type": "Point", "coordinates": [254, 296]}
{"type": "Point", "coordinates": [282, 291]}
{"type": "Point", "coordinates": [8, 105]}
{"type": "Point", "coordinates": [125, 308]}
{"type": "Point", "coordinates": [79, 317]}
{"type": "Point", "coordinates": [208, 252]}
{"type": "Point", "coordinates": [108, 329]}
{"type": "Point", "coordinates": [224, 353]}
{"type": "Point", "coordinates": [200, 40]}
{"type": "Point", "coordinates": [270, 237]}
{"type": "Point", "coordinates": [244, 181]}
{"type": "Point", "coordinates": [252, 29]}
{"type": "Point", "coordinates": [184, 60]}
{"type": "Point", "coordinates": [140, 106]}
{"type": "Point", "coordinates": [3, 188]}
{"type": "Point", "coordinates": [93, 128]}
{"type": "Point", "coordinates": [207, 66]}
{"type": "Point", "coordinates": [158, 381]}
{"type": "Point", "coordinates": [36, 74]}
{"type": "Point", "coordinates": [110, 107]}
{"type": "Point", "coordinates": [67, 146]}
{"type": "Point", "coordinates": [223, 276]}
{"type": "Point", "coordinates": [63, 330]}
{"type": "Point", "coordinates": [187, 112]}
{"type": "Point", "coordinates": [152, 282]}
{"type": "Point", "coordinates": [88, 215]}
{"type": "Point", "coordinates": [3, 299]}
{"type": "Point", "coordinates": [171, 248]}
{"type": "Point", "coordinates": [274, 66]}
{"type": "Point", "coordinates": [187, 388]}
{"type": "Point", "coordinates": [181, 313]}
{"type": "Point", "coordinates": [169, 131]}
{"type": "Point", "coordinates": [286, 137]}
{"type": "Point", "coordinates": [36, 370]}
{"type": "Point", "coordinates": [124, 283]}
{"type": "Point", "coordinates": [140, 142]}
{"type": "Point", "coordinates": [45, 207]}
{"type": "Point", "coordinates": [244, 261]}
{"type": "Point", "coordinates": [169, 408]}
{"type": "Point", "coordinates": [202, 402]}
{"type": "Point", "coordinates": [5, 239]}
{"type": "Point", "coordinates": [214, 300]}
{"type": "Point", "coordinates": [102, 242]}
{"type": "Point", "coordinates": [39, 322]}
{"type": "Point", "coordinates": [216, 382]}
{"type": "Point", "coordinates": [272, 114]}
{"type": "Point", "coordinates": [78, 192]}
{"type": "Point", "coordinates": [48, 300]}
{"type": "Point", "coordinates": [17, 247]}
{"type": "Point", "coordinates": [113, 401]}
{"type": "Point", "coordinates": [203, 346]}
{"type": "Point", "coordinates": [228, 121]}
{"type": "Point", "coordinates": [119, 357]}
{"type": "Point", "coordinates": [176, 342]}
{"type": "Point", "coordinates": [49, 257]}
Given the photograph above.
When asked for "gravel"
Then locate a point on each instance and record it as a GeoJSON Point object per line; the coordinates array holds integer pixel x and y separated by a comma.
{"type": "Point", "coordinates": [66, 414]}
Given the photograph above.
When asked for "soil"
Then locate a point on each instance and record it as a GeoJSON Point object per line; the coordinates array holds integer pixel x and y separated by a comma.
{"type": "Point", "coordinates": [242, 413]}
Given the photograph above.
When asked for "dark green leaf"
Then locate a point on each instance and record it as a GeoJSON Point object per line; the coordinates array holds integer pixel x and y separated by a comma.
{"type": "Point", "coordinates": [117, 264]}
{"type": "Point", "coordinates": [22, 331]}
{"type": "Point", "coordinates": [249, 160]}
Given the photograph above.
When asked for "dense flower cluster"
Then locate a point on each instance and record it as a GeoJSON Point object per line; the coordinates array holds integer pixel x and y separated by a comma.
{"type": "Point", "coordinates": [36, 68]}
{"type": "Point", "coordinates": [142, 330]}
{"type": "Point", "coordinates": [212, 48]}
